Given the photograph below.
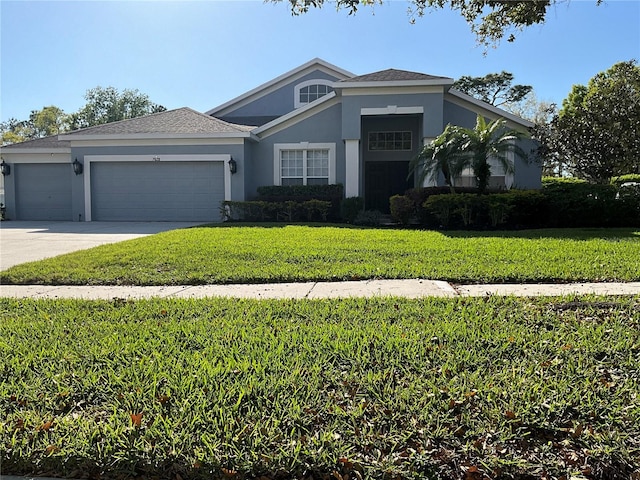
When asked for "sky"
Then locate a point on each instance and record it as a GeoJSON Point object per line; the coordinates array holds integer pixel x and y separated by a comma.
{"type": "Point", "coordinates": [201, 54]}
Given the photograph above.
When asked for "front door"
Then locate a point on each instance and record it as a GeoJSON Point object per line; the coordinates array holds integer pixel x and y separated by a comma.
{"type": "Point", "coordinates": [382, 180]}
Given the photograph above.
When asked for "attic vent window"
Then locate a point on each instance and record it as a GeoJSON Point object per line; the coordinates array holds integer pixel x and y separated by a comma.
{"type": "Point", "coordinates": [311, 90]}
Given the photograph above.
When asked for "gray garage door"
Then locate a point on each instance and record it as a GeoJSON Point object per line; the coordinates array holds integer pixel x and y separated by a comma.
{"type": "Point", "coordinates": [43, 191]}
{"type": "Point", "coordinates": [157, 191]}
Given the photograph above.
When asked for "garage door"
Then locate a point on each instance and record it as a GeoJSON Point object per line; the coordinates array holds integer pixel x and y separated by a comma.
{"type": "Point", "coordinates": [157, 191]}
{"type": "Point", "coordinates": [43, 191]}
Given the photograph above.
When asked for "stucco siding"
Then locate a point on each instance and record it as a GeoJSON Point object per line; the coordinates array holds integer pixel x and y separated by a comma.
{"type": "Point", "coordinates": [272, 105]}
{"type": "Point", "coordinates": [431, 103]}
{"type": "Point", "coordinates": [457, 115]}
{"type": "Point", "coordinates": [324, 127]}
{"type": "Point", "coordinates": [528, 172]}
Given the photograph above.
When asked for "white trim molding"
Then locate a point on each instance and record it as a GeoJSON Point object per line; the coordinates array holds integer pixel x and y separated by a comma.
{"type": "Point", "coordinates": [352, 168]}
{"type": "Point", "coordinates": [316, 81]}
{"type": "Point", "coordinates": [89, 159]}
{"type": "Point", "coordinates": [278, 147]}
{"type": "Point", "coordinates": [392, 110]}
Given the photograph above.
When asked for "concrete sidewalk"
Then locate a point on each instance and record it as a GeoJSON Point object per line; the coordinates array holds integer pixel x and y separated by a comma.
{"type": "Point", "coordinates": [416, 288]}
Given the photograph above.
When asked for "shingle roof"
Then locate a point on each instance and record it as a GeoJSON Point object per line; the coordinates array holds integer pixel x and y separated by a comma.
{"type": "Point", "coordinates": [181, 121]}
{"type": "Point", "coordinates": [393, 75]}
{"type": "Point", "coordinates": [44, 142]}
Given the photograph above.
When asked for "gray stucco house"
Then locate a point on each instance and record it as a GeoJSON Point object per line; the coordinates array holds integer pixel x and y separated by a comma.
{"type": "Point", "coordinates": [312, 125]}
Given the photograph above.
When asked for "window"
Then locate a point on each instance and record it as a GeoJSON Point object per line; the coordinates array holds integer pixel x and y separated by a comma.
{"type": "Point", "coordinates": [311, 90]}
{"type": "Point", "coordinates": [389, 141]}
{"type": "Point", "coordinates": [304, 164]}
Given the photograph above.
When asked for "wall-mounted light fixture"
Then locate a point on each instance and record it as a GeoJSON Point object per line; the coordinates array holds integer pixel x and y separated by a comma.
{"type": "Point", "coordinates": [77, 167]}
{"type": "Point", "coordinates": [233, 166]}
{"type": "Point", "coordinates": [5, 168]}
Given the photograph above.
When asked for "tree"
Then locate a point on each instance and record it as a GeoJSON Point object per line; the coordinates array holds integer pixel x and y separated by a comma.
{"type": "Point", "coordinates": [494, 88]}
{"type": "Point", "coordinates": [490, 20]}
{"type": "Point", "coordinates": [439, 156]}
{"type": "Point", "coordinates": [48, 121]}
{"type": "Point", "coordinates": [105, 105]}
{"type": "Point", "coordinates": [471, 148]}
{"type": "Point", "coordinates": [596, 133]}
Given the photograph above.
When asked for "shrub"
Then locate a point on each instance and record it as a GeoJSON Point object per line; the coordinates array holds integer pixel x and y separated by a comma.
{"type": "Point", "coordinates": [301, 193]}
{"type": "Point", "coordinates": [350, 208]}
{"type": "Point", "coordinates": [289, 211]}
{"type": "Point", "coordinates": [580, 204]}
{"type": "Point", "coordinates": [402, 208]}
{"type": "Point", "coordinates": [370, 218]}
{"type": "Point", "coordinates": [629, 178]}
{"type": "Point", "coordinates": [442, 207]}
{"type": "Point", "coordinates": [528, 209]}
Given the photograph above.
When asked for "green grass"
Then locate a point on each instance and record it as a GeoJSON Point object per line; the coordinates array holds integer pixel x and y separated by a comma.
{"type": "Point", "coordinates": [277, 253]}
{"type": "Point", "coordinates": [378, 388]}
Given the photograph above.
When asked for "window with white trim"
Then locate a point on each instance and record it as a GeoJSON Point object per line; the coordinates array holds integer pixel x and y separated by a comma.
{"type": "Point", "coordinates": [311, 90]}
{"type": "Point", "coordinates": [304, 164]}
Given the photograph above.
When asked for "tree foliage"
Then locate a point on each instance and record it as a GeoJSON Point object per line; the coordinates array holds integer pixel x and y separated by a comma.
{"type": "Point", "coordinates": [596, 133]}
{"type": "Point", "coordinates": [49, 120]}
{"type": "Point", "coordinates": [494, 88]}
{"type": "Point", "coordinates": [105, 105]}
{"type": "Point", "coordinates": [490, 20]}
{"type": "Point", "coordinates": [458, 148]}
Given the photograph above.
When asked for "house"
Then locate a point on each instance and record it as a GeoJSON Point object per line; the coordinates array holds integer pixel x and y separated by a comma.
{"type": "Point", "coordinates": [316, 124]}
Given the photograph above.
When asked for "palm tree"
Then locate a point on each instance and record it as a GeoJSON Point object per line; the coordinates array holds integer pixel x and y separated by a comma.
{"type": "Point", "coordinates": [441, 155]}
{"type": "Point", "coordinates": [485, 142]}
{"type": "Point", "coordinates": [458, 148]}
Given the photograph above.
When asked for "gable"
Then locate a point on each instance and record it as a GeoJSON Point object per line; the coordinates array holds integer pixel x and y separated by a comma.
{"type": "Point", "coordinates": [281, 95]}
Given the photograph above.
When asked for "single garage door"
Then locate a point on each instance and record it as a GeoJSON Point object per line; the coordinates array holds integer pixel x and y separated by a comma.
{"type": "Point", "coordinates": [156, 191]}
{"type": "Point", "coordinates": [43, 191]}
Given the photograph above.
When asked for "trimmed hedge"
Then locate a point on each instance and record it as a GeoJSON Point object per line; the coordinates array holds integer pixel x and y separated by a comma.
{"type": "Point", "coordinates": [302, 193]}
{"type": "Point", "coordinates": [289, 211]}
{"type": "Point", "coordinates": [560, 203]}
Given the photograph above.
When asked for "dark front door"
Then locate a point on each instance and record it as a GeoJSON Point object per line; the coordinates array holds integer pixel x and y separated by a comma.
{"type": "Point", "coordinates": [382, 180]}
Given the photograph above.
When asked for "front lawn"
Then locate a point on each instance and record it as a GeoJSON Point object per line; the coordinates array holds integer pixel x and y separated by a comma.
{"type": "Point", "coordinates": [378, 388]}
{"type": "Point", "coordinates": [278, 253]}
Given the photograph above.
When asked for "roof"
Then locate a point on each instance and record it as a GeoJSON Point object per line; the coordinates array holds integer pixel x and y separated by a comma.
{"type": "Point", "coordinates": [393, 75]}
{"type": "Point", "coordinates": [181, 121]}
{"type": "Point", "coordinates": [51, 142]}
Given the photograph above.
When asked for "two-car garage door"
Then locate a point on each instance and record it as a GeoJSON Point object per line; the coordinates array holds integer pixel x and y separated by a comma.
{"type": "Point", "coordinates": [157, 191]}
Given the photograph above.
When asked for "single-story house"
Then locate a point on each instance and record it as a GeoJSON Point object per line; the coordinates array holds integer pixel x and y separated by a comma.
{"type": "Point", "coordinates": [316, 124]}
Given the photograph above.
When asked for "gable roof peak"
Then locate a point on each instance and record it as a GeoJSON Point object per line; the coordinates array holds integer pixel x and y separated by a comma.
{"type": "Point", "coordinates": [314, 63]}
{"type": "Point", "coordinates": [395, 75]}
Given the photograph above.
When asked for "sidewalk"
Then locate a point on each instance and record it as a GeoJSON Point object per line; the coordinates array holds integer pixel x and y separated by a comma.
{"type": "Point", "coordinates": [366, 288]}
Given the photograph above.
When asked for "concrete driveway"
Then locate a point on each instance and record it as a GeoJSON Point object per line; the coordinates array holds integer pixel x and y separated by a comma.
{"type": "Point", "coordinates": [25, 241]}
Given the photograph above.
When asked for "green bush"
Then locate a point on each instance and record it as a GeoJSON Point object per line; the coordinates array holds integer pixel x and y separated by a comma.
{"type": "Point", "coordinates": [631, 177]}
{"type": "Point", "coordinates": [581, 204]}
{"type": "Point", "coordinates": [350, 208]}
{"type": "Point", "coordinates": [288, 211]}
{"type": "Point", "coordinates": [402, 208]}
{"type": "Point", "coordinates": [301, 193]}
{"type": "Point", "coordinates": [369, 218]}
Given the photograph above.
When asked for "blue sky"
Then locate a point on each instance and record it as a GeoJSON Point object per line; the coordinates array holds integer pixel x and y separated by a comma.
{"type": "Point", "coordinates": [202, 53]}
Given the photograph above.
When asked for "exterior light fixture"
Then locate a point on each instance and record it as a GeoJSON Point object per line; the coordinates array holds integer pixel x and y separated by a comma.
{"type": "Point", "coordinates": [233, 166]}
{"type": "Point", "coordinates": [77, 167]}
{"type": "Point", "coordinates": [5, 168]}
